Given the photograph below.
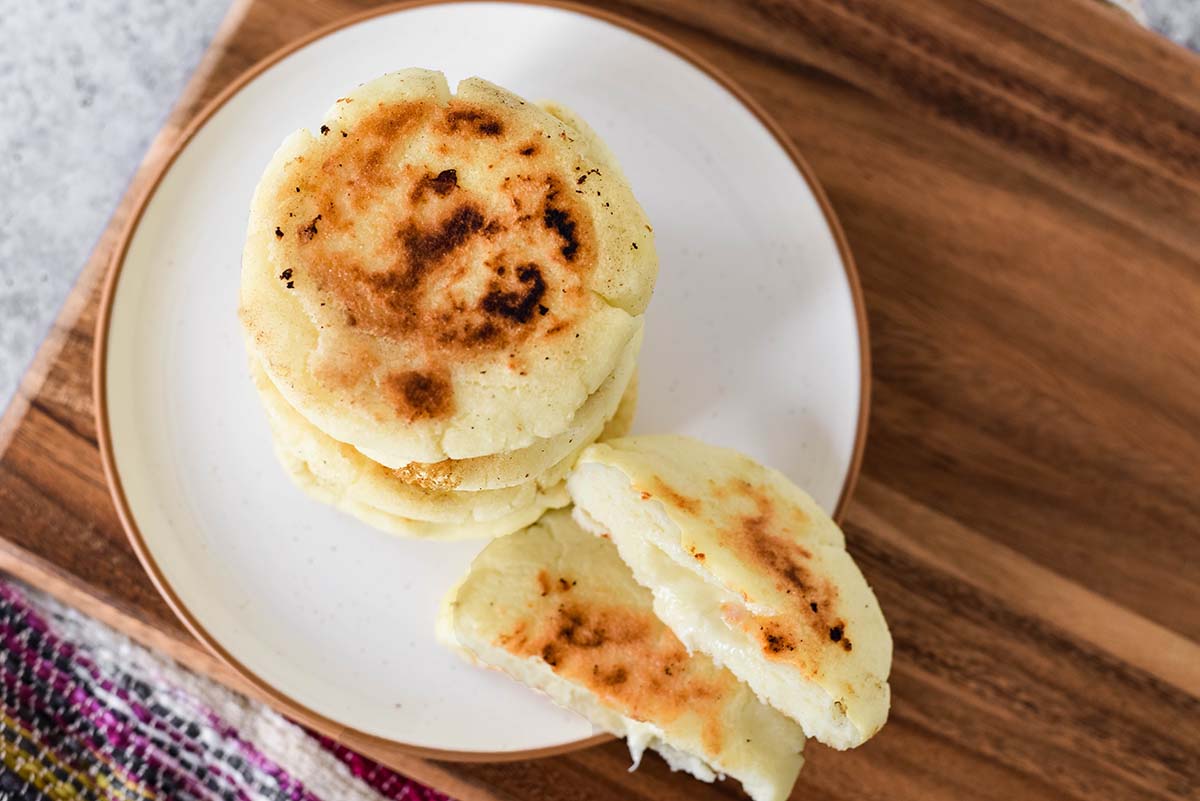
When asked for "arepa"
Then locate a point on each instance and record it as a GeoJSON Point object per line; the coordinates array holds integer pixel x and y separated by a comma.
{"type": "Point", "coordinates": [555, 608]}
{"type": "Point", "coordinates": [745, 567]}
{"type": "Point", "coordinates": [434, 276]}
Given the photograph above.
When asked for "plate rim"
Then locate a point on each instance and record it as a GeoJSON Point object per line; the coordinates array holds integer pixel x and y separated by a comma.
{"type": "Point", "coordinates": [116, 262]}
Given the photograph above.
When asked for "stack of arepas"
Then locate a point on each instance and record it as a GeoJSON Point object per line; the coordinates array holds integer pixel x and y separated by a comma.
{"type": "Point", "coordinates": [442, 296]}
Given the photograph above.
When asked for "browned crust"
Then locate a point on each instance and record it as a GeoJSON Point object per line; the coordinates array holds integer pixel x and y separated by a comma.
{"type": "Point", "coordinates": [421, 394]}
{"type": "Point", "coordinates": [415, 253]}
{"type": "Point", "coordinates": [809, 626]}
{"type": "Point", "coordinates": [672, 496]}
{"type": "Point", "coordinates": [627, 657]}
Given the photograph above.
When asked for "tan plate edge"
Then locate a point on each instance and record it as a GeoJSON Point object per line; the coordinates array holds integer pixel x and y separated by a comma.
{"type": "Point", "coordinates": [290, 706]}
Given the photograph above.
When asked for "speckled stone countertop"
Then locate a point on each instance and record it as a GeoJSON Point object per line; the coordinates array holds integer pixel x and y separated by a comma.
{"type": "Point", "coordinates": [84, 86]}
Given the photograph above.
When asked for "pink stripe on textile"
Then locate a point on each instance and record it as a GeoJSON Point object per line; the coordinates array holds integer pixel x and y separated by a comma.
{"type": "Point", "coordinates": [98, 728]}
{"type": "Point", "coordinates": [101, 727]}
{"type": "Point", "coordinates": [382, 780]}
{"type": "Point", "coordinates": [186, 760]}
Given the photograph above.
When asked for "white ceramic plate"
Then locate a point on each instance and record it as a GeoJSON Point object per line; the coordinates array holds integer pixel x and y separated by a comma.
{"type": "Point", "coordinates": [753, 341]}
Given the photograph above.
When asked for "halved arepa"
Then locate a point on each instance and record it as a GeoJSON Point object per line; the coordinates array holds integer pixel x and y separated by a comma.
{"type": "Point", "coordinates": [747, 568]}
{"type": "Point", "coordinates": [557, 609]}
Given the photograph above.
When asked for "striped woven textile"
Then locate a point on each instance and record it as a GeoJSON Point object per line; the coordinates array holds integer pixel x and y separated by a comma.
{"type": "Point", "coordinates": [87, 714]}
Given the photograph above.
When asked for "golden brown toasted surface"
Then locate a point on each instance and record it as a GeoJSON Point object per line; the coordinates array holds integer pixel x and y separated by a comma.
{"type": "Point", "coordinates": [622, 653]}
{"type": "Point", "coordinates": [559, 596]}
{"type": "Point", "coordinates": [766, 532]}
{"type": "Point", "coordinates": [757, 554]}
{"type": "Point", "coordinates": [673, 496]}
{"type": "Point", "coordinates": [769, 541]}
{"type": "Point", "coordinates": [448, 256]}
{"type": "Point", "coordinates": [440, 276]}
{"type": "Point", "coordinates": [760, 537]}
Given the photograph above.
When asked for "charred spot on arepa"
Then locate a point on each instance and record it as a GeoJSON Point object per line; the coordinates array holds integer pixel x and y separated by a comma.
{"type": "Point", "coordinates": [441, 185]}
{"type": "Point", "coordinates": [760, 538]}
{"type": "Point", "coordinates": [519, 302]}
{"type": "Point", "coordinates": [392, 240]}
{"type": "Point", "coordinates": [420, 394]}
{"type": "Point", "coordinates": [357, 168]}
{"type": "Point", "coordinates": [397, 303]}
{"type": "Point", "coordinates": [560, 221]}
{"type": "Point", "coordinates": [612, 677]}
{"type": "Point", "coordinates": [464, 117]}
{"type": "Point", "coordinates": [580, 630]}
{"type": "Point", "coordinates": [306, 232]}
{"type": "Point", "coordinates": [838, 634]}
{"type": "Point", "coordinates": [775, 637]}
{"type": "Point", "coordinates": [425, 246]}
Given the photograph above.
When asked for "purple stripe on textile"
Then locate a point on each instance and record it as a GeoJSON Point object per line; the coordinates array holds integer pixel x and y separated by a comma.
{"type": "Point", "coordinates": [110, 729]}
{"type": "Point", "coordinates": [294, 789]}
{"type": "Point", "coordinates": [79, 688]}
{"type": "Point", "coordinates": [383, 780]}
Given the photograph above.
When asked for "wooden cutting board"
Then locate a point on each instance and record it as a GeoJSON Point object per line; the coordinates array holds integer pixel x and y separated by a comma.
{"type": "Point", "coordinates": [1020, 185]}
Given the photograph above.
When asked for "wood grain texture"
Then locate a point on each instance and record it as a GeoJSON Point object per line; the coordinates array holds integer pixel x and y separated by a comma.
{"type": "Point", "coordinates": [1020, 185]}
